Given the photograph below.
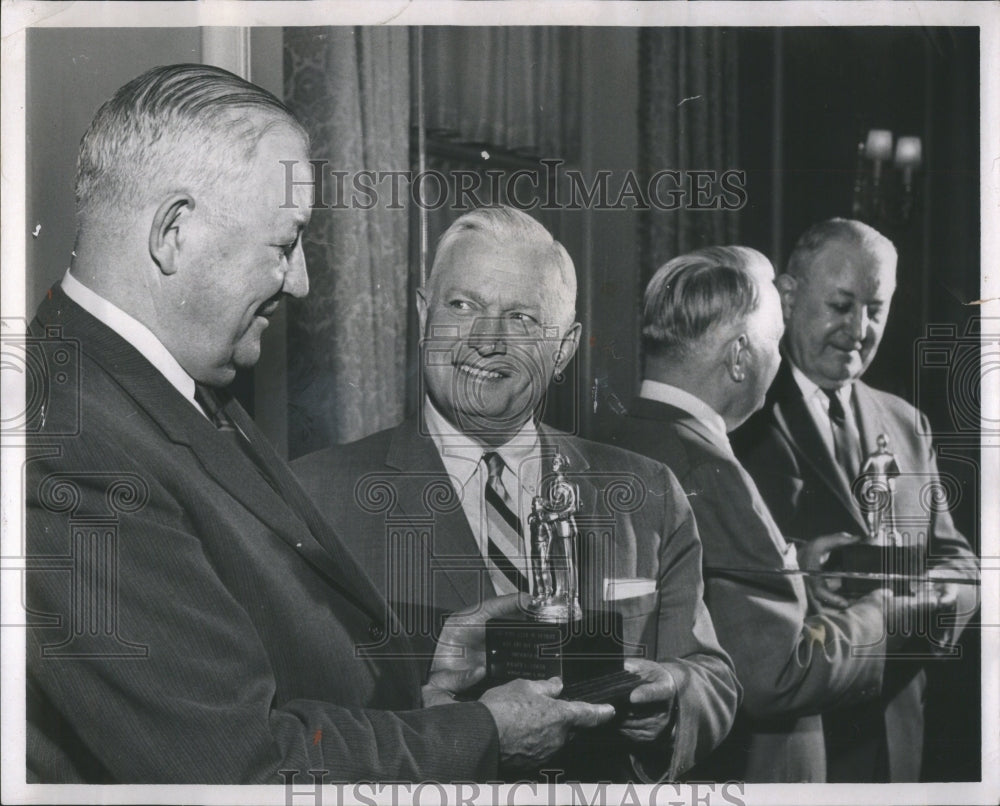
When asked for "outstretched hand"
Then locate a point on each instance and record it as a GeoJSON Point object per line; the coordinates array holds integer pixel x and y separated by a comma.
{"type": "Point", "coordinates": [812, 555]}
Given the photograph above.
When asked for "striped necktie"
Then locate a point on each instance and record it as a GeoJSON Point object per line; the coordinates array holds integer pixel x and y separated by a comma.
{"type": "Point", "coordinates": [505, 554]}
{"type": "Point", "coordinates": [844, 447]}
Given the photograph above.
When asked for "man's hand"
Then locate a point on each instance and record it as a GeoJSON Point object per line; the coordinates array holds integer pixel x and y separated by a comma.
{"type": "Point", "coordinates": [532, 724]}
{"type": "Point", "coordinates": [652, 701]}
{"type": "Point", "coordinates": [462, 643]}
{"type": "Point", "coordinates": [812, 554]}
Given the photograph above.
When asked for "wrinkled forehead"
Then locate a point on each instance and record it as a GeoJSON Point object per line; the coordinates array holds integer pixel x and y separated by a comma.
{"type": "Point", "coordinates": [511, 268]}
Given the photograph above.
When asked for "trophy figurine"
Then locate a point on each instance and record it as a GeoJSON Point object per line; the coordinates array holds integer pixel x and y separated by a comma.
{"type": "Point", "coordinates": [881, 558]}
{"type": "Point", "coordinates": [553, 531]}
{"type": "Point", "coordinates": [554, 635]}
{"type": "Point", "coordinates": [877, 488]}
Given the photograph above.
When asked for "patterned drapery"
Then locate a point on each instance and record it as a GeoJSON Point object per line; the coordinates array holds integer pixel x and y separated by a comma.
{"type": "Point", "coordinates": [350, 87]}
{"type": "Point", "coordinates": [688, 120]}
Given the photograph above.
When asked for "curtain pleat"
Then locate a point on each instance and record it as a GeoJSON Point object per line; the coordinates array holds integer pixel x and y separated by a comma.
{"type": "Point", "coordinates": [347, 340]}
{"type": "Point", "coordinates": [688, 120]}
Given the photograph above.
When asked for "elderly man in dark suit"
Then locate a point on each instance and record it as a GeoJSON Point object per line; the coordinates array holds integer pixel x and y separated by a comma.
{"type": "Point", "coordinates": [441, 502]}
{"type": "Point", "coordinates": [711, 327]}
{"type": "Point", "coordinates": [804, 450]}
{"type": "Point", "coordinates": [194, 619]}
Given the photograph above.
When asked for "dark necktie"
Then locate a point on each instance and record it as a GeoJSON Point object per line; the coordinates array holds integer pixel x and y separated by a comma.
{"type": "Point", "coordinates": [213, 402]}
{"type": "Point", "coordinates": [504, 539]}
{"type": "Point", "coordinates": [844, 448]}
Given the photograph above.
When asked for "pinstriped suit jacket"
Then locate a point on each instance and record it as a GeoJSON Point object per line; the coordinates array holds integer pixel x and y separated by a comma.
{"type": "Point", "coordinates": [193, 621]}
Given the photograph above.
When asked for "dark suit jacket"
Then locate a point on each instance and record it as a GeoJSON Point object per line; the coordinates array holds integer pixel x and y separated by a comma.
{"type": "Point", "coordinates": [809, 496]}
{"type": "Point", "coordinates": [192, 623]}
{"type": "Point", "coordinates": [792, 666]}
{"type": "Point", "coordinates": [390, 492]}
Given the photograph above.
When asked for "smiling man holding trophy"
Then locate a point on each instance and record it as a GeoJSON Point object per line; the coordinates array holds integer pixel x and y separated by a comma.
{"type": "Point", "coordinates": [828, 452]}
{"type": "Point", "coordinates": [475, 498]}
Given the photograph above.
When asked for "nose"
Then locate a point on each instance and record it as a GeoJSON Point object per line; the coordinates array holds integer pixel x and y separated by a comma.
{"type": "Point", "coordinates": [489, 335]}
{"type": "Point", "coordinates": [297, 276]}
{"type": "Point", "coordinates": [859, 323]}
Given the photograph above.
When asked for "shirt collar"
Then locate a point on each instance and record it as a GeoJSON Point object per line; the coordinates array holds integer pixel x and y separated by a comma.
{"type": "Point", "coordinates": [695, 406]}
{"type": "Point", "coordinates": [461, 454]}
{"type": "Point", "coordinates": [810, 389]}
{"type": "Point", "coordinates": [134, 332]}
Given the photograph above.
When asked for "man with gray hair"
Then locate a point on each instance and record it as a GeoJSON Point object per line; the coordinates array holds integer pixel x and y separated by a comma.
{"type": "Point", "coordinates": [193, 618]}
{"type": "Point", "coordinates": [711, 327]}
{"type": "Point", "coordinates": [804, 450]}
{"type": "Point", "coordinates": [441, 503]}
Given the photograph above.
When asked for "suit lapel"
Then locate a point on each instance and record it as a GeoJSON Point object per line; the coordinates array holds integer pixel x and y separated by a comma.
{"type": "Point", "coordinates": [332, 558]}
{"type": "Point", "coordinates": [280, 509]}
{"type": "Point", "coordinates": [455, 557]}
{"type": "Point", "coordinates": [793, 418]}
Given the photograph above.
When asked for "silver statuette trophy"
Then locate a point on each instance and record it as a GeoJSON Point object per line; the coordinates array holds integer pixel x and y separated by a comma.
{"type": "Point", "coordinates": [552, 525]}
{"type": "Point", "coordinates": [881, 559]}
{"type": "Point", "coordinates": [554, 635]}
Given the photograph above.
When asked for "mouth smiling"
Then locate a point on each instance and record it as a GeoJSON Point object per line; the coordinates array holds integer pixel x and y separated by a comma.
{"type": "Point", "coordinates": [481, 373]}
{"type": "Point", "coordinates": [268, 308]}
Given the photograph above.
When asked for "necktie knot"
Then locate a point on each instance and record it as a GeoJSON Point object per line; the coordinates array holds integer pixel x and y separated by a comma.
{"type": "Point", "coordinates": [494, 467]}
{"type": "Point", "coordinates": [837, 413]}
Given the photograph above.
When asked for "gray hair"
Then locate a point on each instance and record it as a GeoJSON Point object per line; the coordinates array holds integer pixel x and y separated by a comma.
{"type": "Point", "coordinates": [693, 293]}
{"type": "Point", "coordinates": [506, 225]}
{"type": "Point", "coordinates": [843, 230]}
{"type": "Point", "coordinates": [174, 127]}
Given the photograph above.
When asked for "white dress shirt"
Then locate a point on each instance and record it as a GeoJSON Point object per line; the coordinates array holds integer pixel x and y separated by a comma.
{"type": "Point", "coordinates": [463, 460]}
{"type": "Point", "coordinates": [134, 332]}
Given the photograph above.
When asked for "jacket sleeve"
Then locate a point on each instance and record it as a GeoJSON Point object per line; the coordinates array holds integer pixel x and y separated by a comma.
{"type": "Point", "coordinates": [167, 679]}
{"type": "Point", "coordinates": [790, 664]}
{"type": "Point", "coordinates": [686, 643]}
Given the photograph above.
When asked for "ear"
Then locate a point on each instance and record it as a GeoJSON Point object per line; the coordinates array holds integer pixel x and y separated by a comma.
{"type": "Point", "coordinates": [568, 346]}
{"type": "Point", "coordinates": [422, 309]}
{"type": "Point", "coordinates": [165, 231]}
{"type": "Point", "coordinates": [787, 285]}
{"type": "Point", "coordinates": [737, 355]}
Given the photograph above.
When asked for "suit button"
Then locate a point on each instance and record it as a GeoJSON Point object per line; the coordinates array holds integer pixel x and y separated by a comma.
{"type": "Point", "coordinates": [376, 631]}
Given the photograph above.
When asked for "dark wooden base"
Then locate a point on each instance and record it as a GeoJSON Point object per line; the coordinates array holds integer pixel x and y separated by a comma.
{"type": "Point", "coordinates": [586, 654]}
{"type": "Point", "coordinates": [900, 566]}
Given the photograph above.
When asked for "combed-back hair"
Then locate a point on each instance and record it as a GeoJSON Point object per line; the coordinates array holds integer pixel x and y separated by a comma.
{"type": "Point", "coordinates": [692, 294]}
{"type": "Point", "coordinates": [508, 226]}
{"type": "Point", "coordinates": [175, 128]}
{"type": "Point", "coordinates": [842, 230]}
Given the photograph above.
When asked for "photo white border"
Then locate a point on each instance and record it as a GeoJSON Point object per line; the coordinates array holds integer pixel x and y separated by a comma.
{"type": "Point", "coordinates": [18, 16]}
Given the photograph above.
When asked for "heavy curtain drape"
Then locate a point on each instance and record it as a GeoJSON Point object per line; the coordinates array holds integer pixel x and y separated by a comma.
{"type": "Point", "coordinates": [350, 87]}
{"type": "Point", "coordinates": [515, 88]}
{"type": "Point", "coordinates": [688, 120]}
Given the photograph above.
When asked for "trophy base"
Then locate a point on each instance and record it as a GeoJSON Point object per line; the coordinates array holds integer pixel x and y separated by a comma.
{"type": "Point", "coordinates": [897, 567]}
{"type": "Point", "coordinates": [586, 653]}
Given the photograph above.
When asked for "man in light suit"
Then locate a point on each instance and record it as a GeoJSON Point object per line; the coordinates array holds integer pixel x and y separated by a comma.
{"type": "Point", "coordinates": [192, 616]}
{"type": "Point", "coordinates": [497, 316]}
{"type": "Point", "coordinates": [711, 327]}
{"type": "Point", "coordinates": [805, 447]}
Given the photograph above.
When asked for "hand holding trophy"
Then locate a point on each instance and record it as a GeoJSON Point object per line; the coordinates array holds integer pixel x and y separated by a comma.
{"type": "Point", "coordinates": [553, 636]}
